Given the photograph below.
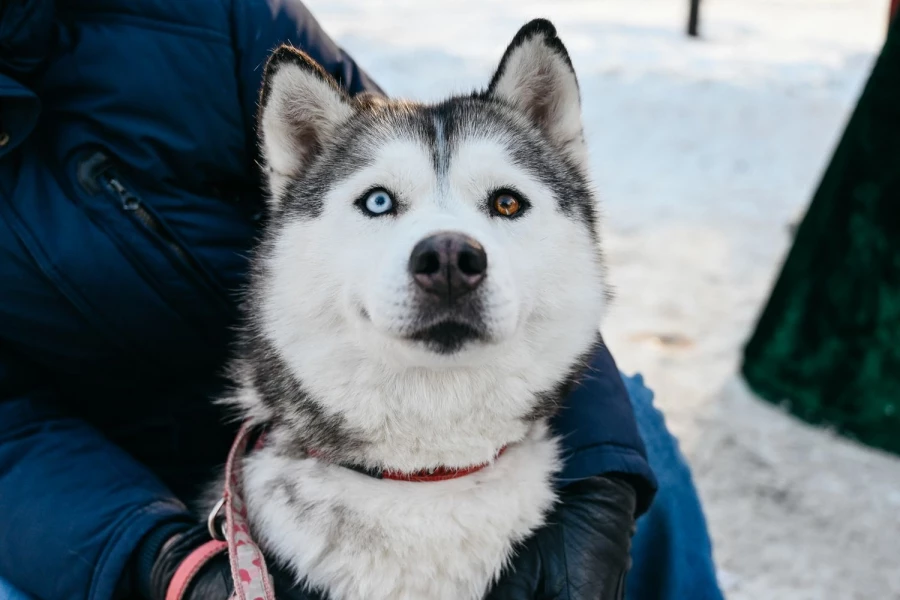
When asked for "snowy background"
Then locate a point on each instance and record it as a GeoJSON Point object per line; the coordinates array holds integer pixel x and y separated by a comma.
{"type": "Point", "coordinates": [704, 153]}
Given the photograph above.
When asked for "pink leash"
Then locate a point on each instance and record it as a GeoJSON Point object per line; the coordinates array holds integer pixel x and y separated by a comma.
{"type": "Point", "coordinates": [248, 567]}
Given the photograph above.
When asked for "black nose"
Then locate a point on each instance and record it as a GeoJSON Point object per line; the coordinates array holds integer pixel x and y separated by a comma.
{"type": "Point", "coordinates": [448, 265]}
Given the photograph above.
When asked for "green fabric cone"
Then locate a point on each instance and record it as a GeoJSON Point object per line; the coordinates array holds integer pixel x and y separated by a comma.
{"type": "Point", "coordinates": [827, 345]}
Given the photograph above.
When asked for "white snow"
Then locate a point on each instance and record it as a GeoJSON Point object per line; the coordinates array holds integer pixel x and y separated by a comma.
{"type": "Point", "coordinates": [704, 151]}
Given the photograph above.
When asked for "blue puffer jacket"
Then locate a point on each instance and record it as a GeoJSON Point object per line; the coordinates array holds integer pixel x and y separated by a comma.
{"type": "Point", "coordinates": [128, 204]}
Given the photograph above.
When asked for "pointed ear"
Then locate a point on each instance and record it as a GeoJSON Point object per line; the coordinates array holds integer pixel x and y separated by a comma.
{"type": "Point", "coordinates": [536, 77]}
{"type": "Point", "coordinates": [300, 107]}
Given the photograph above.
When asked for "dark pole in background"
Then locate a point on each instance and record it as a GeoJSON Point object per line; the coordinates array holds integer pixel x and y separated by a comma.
{"type": "Point", "coordinates": [693, 18]}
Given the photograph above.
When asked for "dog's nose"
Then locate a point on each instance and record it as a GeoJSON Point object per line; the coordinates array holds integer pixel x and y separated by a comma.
{"type": "Point", "coordinates": [448, 265]}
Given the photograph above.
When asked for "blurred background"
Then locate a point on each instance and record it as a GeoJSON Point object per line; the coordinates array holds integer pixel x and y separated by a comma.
{"type": "Point", "coordinates": [707, 153]}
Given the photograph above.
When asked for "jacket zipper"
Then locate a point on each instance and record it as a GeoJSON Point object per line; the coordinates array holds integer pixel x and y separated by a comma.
{"type": "Point", "coordinates": [132, 203]}
{"type": "Point", "coordinates": [98, 173]}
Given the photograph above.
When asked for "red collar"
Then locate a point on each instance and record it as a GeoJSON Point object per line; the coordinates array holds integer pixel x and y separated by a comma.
{"type": "Point", "coordinates": [425, 475]}
{"type": "Point", "coordinates": [440, 473]}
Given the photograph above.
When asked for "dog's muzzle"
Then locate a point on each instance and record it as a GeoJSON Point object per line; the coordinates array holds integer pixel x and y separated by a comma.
{"type": "Point", "coordinates": [447, 267]}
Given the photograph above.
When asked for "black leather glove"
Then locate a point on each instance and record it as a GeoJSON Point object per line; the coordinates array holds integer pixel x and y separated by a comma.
{"type": "Point", "coordinates": [213, 581]}
{"type": "Point", "coordinates": [582, 553]}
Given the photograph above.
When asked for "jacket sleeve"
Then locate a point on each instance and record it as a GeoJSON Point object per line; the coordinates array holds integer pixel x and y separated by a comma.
{"type": "Point", "coordinates": [27, 34]}
{"type": "Point", "coordinates": [600, 433]}
{"type": "Point", "coordinates": [263, 25]}
{"type": "Point", "coordinates": [73, 506]}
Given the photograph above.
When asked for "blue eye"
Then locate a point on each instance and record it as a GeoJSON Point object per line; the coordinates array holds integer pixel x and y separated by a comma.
{"type": "Point", "coordinates": [379, 202]}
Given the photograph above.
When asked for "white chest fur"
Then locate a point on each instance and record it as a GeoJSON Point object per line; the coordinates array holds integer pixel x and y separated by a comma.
{"type": "Point", "coordinates": [361, 538]}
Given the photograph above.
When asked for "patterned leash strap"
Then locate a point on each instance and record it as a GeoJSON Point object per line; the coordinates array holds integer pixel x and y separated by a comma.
{"type": "Point", "coordinates": [248, 567]}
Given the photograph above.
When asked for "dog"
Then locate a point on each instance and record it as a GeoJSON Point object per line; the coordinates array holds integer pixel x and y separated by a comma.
{"type": "Point", "coordinates": [428, 285]}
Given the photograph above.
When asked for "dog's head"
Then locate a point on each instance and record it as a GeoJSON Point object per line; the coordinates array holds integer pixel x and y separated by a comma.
{"type": "Point", "coordinates": [429, 247]}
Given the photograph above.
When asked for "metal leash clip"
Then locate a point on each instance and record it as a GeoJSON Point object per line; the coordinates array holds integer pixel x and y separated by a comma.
{"type": "Point", "coordinates": [214, 518]}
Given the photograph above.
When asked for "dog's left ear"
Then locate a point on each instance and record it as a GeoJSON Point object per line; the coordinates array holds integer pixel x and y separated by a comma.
{"type": "Point", "coordinates": [536, 76]}
{"type": "Point", "coordinates": [300, 108]}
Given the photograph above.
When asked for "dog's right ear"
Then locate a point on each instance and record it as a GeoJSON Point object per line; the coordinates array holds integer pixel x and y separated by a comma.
{"type": "Point", "coordinates": [300, 107]}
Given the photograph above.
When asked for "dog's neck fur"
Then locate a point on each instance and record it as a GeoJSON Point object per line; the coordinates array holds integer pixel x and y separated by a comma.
{"type": "Point", "coordinates": [392, 420]}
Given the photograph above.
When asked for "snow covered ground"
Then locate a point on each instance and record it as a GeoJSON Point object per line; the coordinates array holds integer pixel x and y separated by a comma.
{"type": "Point", "coordinates": [704, 152]}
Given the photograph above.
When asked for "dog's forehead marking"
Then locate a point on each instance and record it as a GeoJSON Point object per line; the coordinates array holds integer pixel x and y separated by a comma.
{"type": "Point", "coordinates": [426, 170]}
{"type": "Point", "coordinates": [437, 132]}
{"type": "Point", "coordinates": [441, 153]}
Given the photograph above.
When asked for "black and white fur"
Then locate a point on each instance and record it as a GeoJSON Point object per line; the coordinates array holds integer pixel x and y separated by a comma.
{"type": "Point", "coordinates": [342, 355]}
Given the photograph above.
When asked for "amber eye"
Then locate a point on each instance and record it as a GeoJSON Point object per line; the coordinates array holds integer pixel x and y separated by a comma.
{"type": "Point", "coordinates": [506, 204]}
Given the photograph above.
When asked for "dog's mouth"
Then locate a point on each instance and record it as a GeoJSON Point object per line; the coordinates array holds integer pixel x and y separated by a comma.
{"type": "Point", "coordinates": [449, 336]}
{"type": "Point", "coordinates": [442, 332]}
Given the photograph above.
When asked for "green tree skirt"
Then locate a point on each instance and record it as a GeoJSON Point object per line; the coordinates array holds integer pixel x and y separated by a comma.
{"type": "Point", "coordinates": [828, 342]}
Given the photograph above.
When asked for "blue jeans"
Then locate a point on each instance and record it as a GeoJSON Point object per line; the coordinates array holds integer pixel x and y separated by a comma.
{"type": "Point", "coordinates": [671, 548]}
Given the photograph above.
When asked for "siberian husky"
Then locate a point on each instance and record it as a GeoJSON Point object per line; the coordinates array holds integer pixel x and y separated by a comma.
{"type": "Point", "coordinates": [428, 284]}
